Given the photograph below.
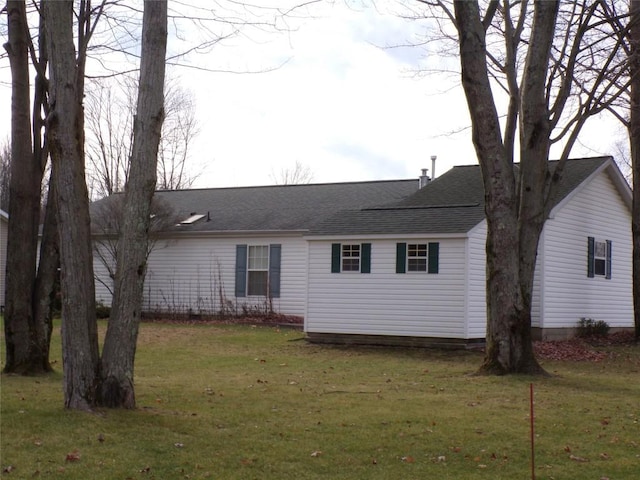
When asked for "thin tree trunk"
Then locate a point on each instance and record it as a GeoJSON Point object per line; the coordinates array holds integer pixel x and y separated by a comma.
{"type": "Point", "coordinates": [117, 387]}
{"type": "Point", "coordinates": [634, 140]}
{"type": "Point", "coordinates": [23, 355]}
{"type": "Point", "coordinates": [66, 144]}
{"type": "Point", "coordinates": [46, 280]}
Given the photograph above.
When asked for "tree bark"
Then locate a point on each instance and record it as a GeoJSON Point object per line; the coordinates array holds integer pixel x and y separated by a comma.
{"type": "Point", "coordinates": [46, 287]}
{"type": "Point", "coordinates": [26, 350]}
{"type": "Point", "coordinates": [514, 222]}
{"type": "Point", "coordinates": [66, 144]}
{"type": "Point", "coordinates": [117, 386]}
{"type": "Point", "coordinates": [634, 140]}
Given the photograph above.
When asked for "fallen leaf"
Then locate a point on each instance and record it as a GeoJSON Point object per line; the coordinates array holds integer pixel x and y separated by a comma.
{"type": "Point", "coordinates": [578, 459]}
{"type": "Point", "coordinates": [316, 453]}
{"type": "Point", "coordinates": [178, 445]}
{"type": "Point", "coordinates": [408, 459]}
{"type": "Point", "coordinates": [73, 456]}
{"type": "Point", "coordinates": [8, 469]}
{"type": "Point", "coordinates": [100, 437]}
{"type": "Point", "coordinates": [604, 456]}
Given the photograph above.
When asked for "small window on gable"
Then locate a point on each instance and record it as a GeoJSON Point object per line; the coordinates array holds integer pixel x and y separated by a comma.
{"type": "Point", "coordinates": [599, 258]}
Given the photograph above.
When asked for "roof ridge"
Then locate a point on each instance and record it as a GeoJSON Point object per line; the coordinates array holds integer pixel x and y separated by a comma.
{"type": "Point", "coordinates": [239, 187]}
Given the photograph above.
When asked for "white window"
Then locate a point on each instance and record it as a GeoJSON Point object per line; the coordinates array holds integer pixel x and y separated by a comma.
{"type": "Point", "coordinates": [257, 270]}
{"type": "Point", "coordinates": [417, 257]}
{"type": "Point", "coordinates": [351, 258]}
{"type": "Point", "coordinates": [600, 258]}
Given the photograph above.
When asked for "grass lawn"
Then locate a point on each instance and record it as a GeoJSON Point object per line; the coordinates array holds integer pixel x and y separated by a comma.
{"type": "Point", "coordinates": [241, 402]}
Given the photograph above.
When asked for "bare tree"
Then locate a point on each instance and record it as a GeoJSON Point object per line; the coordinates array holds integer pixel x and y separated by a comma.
{"type": "Point", "coordinates": [109, 128]}
{"type": "Point", "coordinates": [557, 64]}
{"type": "Point", "coordinates": [117, 389]}
{"type": "Point", "coordinates": [298, 175]}
{"type": "Point", "coordinates": [178, 131]}
{"type": "Point", "coordinates": [110, 110]}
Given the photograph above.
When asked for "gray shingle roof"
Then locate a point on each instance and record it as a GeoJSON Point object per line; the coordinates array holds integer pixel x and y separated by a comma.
{"type": "Point", "coordinates": [452, 203]}
{"type": "Point", "coordinates": [268, 208]}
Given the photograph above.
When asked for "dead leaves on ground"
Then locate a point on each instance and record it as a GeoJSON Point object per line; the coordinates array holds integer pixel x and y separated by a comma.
{"type": "Point", "coordinates": [578, 349]}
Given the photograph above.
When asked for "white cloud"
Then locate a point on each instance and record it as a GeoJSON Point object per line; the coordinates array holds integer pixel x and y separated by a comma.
{"type": "Point", "coordinates": [344, 103]}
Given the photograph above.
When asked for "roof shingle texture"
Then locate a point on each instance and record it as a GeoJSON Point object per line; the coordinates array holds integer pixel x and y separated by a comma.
{"type": "Point", "coordinates": [268, 208]}
{"type": "Point", "coordinates": [452, 203]}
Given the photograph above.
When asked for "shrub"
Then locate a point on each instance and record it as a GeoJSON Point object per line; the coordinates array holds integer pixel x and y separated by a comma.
{"type": "Point", "coordinates": [102, 311]}
{"type": "Point", "coordinates": [588, 327]}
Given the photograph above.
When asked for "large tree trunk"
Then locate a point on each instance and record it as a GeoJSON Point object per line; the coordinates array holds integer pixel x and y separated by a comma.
{"type": "Point", "coordinates": [634, 140]}
{"type": "Point", "coordinates": [117, 388]}
{"type": "Point", "coordinates": [515, 214]}
{"type": "Point", "coordinates": [66, 145]}
{"type": "Point", "coordinates": [25, 353]}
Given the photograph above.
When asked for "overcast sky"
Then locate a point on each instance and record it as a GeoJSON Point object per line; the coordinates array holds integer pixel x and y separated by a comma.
{"type": "Point", "coordinates": [346, 103]}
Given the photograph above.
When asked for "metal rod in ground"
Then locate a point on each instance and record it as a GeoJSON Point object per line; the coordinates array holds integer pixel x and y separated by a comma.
{"type": "Point", "coordinates": [531, 418]}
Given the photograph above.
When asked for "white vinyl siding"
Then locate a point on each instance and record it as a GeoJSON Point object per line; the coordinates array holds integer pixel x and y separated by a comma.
{"type": "Point", "coordinates": [383, 302]}
{"type": "Point", "coordinates": [596, 210]}
{"type": "Point", "coordinates": [197, 274]}
{"type": "Point", "coordinates": [477, 282]}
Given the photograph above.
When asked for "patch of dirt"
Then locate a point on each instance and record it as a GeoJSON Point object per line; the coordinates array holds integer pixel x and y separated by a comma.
{"type": "Point", "coordinates": [582, 349]}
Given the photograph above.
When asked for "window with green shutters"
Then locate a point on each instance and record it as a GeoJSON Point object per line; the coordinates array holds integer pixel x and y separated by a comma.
{"type": "Point", "coordinates": [351, 257]}
{"type": "Point", "coordinates": [417, 257]}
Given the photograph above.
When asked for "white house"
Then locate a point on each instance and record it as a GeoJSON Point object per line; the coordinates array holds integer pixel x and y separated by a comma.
{"type": "Point", "coordinates": [4, 227]}
{"type": "Point", "coordinates": [413, 273]}
{"type": "Point", "coordinates": [233, 250]}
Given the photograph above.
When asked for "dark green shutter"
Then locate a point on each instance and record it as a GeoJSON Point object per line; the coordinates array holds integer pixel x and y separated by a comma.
{"type": "Point", "coordinates": [275, 251]}
{"type": "Point", "coordinates": [401, 258]}
{"type": "Point", "coordinates": [335, 258]}
{"type": "Point", "coordinates": [433, 253]}
{"type": "Point", "coordinates": [241, 270]}
{"type": "Point", "coordinates": [365, 258]}
{"type": "Point", "coordinates": [591, 246]}
{"type": "Point", "coordinates": [608, 274]}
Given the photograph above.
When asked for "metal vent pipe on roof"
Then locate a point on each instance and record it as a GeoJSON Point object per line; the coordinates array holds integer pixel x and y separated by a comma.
{"type": "Point", "coordinates": [433, 166]}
